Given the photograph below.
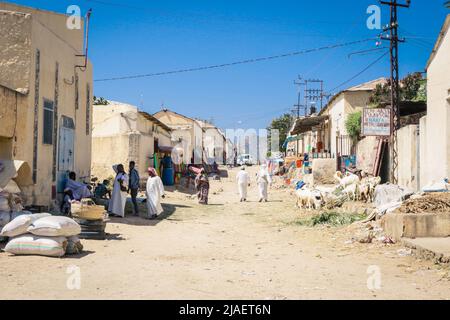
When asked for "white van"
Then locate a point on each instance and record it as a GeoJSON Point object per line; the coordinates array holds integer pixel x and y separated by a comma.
{"type": "Point", "coordinates": [245, 159]}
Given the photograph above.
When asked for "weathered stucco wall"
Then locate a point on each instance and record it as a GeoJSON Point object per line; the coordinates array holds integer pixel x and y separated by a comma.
{"type": "Point", "coordinates": [121, 134]}
{"type": "Point", "coordinates": [408, 157]}
{"type": "Point", "coordinates": [52, 76]}
{"type": "Point", "coordinates": [15, 50]}
{"type": "Point", "coordinates": [438, 124]}
{"type": "Point", "coordinates": [108, 151]}
{"type": "Point", "coordinates": [366, 152]}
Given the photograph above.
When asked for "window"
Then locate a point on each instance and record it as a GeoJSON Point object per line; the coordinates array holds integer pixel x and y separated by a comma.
{"type": "Point", "coordinates": [48, 122]}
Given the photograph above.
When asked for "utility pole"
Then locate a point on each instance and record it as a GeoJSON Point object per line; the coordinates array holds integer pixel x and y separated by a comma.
{"type": "Point", "coordinates": [297, 106]}
{"type": "Point", "coordinates": [313, 94]}
{"type": "Point", "coordinates": [395, 86]}
{"type": "Point", "coordinates": [310, 94]}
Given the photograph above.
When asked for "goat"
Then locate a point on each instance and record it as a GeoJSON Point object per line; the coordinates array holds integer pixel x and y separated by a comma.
{"type": "Point", "coordinates": [309, 199]}
{"type": "Point", "coordinates": [346, 180]}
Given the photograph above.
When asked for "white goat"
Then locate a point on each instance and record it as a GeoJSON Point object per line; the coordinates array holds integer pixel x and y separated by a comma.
{"type": "Point", "coordinates": [367, 188]}
{"type": "Point", "coordinates": [309, 199]}
{"type": "Point", "coordinates": [346, 180]}
{"type": "Point", "coordinates": [352, 191]}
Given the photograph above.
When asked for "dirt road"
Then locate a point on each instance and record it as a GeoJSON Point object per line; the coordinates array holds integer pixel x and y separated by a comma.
{"type": "Point", "coordinates": [226, 250]}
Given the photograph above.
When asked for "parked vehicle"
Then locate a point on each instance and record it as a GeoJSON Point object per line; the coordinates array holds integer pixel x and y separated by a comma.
{"type": "Point", "coordinates": [245, 159]}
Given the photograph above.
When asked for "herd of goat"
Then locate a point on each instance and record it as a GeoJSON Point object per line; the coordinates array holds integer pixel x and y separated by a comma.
{"type": "Point", "coordinates": [349, 187]}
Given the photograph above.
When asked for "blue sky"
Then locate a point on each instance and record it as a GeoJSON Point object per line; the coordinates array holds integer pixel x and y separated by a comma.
{"type": "Point", "coordinates": [140, 37]}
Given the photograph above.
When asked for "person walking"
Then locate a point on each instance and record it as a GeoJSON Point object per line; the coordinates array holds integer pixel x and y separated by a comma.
{"type": "Point", "coordinates": [243, 181]}
{"type": "Point", "coordinates": [264, 180]}
{"type": "Point", "coordinates": [202, 186]}
{"type": "Point", "coordinates": [118, 200]}
{"type": "Point", "coordinates": [134, 186]}
{"type": "Point", "coordinates": [155, 192]}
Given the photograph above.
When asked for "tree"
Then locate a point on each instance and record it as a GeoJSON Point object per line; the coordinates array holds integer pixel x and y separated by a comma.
{"type": "Point", "coordinates": [100, 101]}
{"type": "Point", "coordinates": [412, 88]}
{"type": "Point", "coordinates": [283, 125]}
{"type": "Point", "coordinates": [353, 125]}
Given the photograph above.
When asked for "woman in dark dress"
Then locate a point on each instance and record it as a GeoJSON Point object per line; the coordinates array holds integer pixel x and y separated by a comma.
{"type": "Point", "coordinates": [202, 186]}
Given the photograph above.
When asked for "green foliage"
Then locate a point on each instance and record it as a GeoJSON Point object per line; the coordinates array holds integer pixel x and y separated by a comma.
{"type": "Point", "coordinates": [283, 125]}
{"type": "Point", "coordinates": [99, 101]}
{"type": "Point", "coordinates": [353, 125]}
{"type": "Point", "coordinates": [412, 88]}
{"type": "Point", "coordinates": [331, 218]}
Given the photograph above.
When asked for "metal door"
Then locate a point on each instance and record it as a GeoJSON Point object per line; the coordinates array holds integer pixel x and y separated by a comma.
{"type": "Point", "coordinates": [66, 151]}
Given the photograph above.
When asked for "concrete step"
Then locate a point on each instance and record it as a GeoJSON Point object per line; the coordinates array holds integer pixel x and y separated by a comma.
{"type": "Point", "coordinates": [435, 249]}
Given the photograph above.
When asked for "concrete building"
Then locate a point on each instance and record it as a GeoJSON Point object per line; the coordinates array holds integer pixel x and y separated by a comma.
{"type": "Point", "coordinates": [187, 133]}
{"type": "Point", "coordinates": [121, 133]}
{"type": "Point", "coordinates": [435, 127]}
{"type": "Point", "coordinates": [332, 134]}
{"type": "Point", "coordinates": [45, 99]}
{"type": "Point", "coordinates": [213, 143]}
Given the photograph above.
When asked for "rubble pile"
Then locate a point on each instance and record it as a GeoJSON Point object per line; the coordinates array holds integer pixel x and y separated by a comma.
{"type": "Point", "coordinates": [429, 203]}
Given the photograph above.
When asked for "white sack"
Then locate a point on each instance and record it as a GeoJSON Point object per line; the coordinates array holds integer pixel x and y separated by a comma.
{"type": "Point", "coordinates": [29, 244]}
{"type": "Point", "coordinates": [19, 225]}
{"type": "Point", "coordinates": [55, 226]}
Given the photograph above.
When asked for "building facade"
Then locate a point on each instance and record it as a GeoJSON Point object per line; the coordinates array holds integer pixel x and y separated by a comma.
{"type": "Point", "coordinates": [121, 133]}
{"type": "Point", "coordinates": [213, 143]}
{"type": "Point", "coordinates": [333, 135]}
{"type": "Point", "coordinates": [435, 127]}
{"type": "Point", "coordinates": [187, 134]}
{"type": "Point", "coordinates": [45, 99]}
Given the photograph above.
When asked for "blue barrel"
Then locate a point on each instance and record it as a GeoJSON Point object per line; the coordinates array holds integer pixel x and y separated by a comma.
{"type": "Point", "coordinates": [168, 177]}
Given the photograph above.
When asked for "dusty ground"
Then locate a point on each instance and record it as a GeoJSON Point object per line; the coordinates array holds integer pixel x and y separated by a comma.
{"type": "Point", "coordinates": [226, 250]}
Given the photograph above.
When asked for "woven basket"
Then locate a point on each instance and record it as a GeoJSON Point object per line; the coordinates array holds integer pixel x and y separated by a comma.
{"type": "Point", "coordinates": [88, 210]}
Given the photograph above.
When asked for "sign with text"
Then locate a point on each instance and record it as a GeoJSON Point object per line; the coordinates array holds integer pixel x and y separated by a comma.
{"type": "Point", "coordinates": [376, 122]}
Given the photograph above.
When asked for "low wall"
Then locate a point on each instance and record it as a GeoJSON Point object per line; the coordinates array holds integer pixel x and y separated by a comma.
{"type": "Point", "coordinates": [399, 225]}
{"type": "Point", "coordinates": [323, 171]}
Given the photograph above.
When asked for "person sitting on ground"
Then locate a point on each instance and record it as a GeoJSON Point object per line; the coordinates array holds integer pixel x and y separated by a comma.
{"type": "Point", "coordinates": [79, 190]}
{"type": "Point", "coordinates": [102, 191]}
{"type": "Point", "coordinates": [215, 167]}
{"type": "Point", "coordinates": [66, 204]}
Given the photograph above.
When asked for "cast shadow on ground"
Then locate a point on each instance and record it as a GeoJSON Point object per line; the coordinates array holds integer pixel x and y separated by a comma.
{"type": "Point", "coordinates": [169, 209]}
{"type": "Point", "coordinates": [83, 254]}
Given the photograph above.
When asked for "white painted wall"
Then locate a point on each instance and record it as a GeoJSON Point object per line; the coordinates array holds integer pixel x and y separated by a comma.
{"type": "Point", "coordinates": [437, 145]}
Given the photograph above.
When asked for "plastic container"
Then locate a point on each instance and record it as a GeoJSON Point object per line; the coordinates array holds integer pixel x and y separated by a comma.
{"type": "Point", "coordinates": [168, 177]}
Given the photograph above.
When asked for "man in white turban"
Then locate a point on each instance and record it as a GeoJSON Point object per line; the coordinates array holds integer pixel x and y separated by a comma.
{"type": "Point", "coordinates": [243, 181]}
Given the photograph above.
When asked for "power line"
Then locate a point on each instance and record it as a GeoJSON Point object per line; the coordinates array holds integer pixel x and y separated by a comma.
{"type": "Point", "coordinates": [285, 55]}
{"type": "Point", "coordinates": [361, 72]}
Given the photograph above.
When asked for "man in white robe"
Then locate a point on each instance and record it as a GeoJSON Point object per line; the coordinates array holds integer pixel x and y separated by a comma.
{"type": "Point", "coordinates": [243, 181]}
{"type": "Point", "coordinates": [119, 195]}
{"type": "Point", "coordinates": [79, 190]}
{"type": "Point", "coordinates": [155, 191]}
{"type": "Point", "coordinates": [263, 180]}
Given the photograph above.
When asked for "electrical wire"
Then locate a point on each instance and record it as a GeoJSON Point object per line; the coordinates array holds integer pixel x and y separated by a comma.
{"type": "Point", "coordinates": [361, 72]}
{"type": "Point", "coordinates": [285, 55]}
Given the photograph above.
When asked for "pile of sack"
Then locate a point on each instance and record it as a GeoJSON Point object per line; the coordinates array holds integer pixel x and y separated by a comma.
{"type": "Point", "coordinates": [42, 234]}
